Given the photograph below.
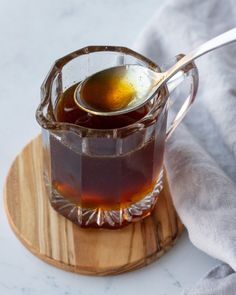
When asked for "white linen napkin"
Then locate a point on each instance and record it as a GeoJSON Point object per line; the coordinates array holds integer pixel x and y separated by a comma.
{"type": "Point", "coordinates": [201, 154]}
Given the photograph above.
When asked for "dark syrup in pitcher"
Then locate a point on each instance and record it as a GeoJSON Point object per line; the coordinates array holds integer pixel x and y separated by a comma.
{"type": "Point", "coordinates": [97, 180]}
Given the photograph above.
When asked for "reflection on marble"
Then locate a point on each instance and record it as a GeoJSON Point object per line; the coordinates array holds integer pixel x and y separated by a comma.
{"type": "Point", "coordinates": [32, 35]}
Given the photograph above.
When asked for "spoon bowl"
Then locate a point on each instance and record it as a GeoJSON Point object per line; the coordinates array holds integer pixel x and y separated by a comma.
{"type": "Point", "coordinates": [123, 89]}
{"type": "Point", "coordinates": [117, 90]}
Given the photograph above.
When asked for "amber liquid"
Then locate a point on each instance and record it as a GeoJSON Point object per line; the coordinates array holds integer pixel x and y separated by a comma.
{"type": "Point", "coordinates": [108, 90]}
{"type": "Point", "coordinates": [108, 182]}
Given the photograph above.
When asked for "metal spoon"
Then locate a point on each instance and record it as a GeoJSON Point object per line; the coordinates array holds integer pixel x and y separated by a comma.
{"type": "Point", "coordinates": [136, 83]}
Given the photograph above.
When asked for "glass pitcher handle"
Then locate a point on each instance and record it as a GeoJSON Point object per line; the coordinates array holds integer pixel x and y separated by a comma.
{"type": "Point", "coordinates": [189, 71]}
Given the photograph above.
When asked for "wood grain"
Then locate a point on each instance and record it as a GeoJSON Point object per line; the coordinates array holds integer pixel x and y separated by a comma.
{"type": "Point", "coordinates": [58, 241]}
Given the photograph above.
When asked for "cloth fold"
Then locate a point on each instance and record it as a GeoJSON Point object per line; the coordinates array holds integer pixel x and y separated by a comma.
{"type": "Point", "coordinates": [220, 281]}
{"type": "Point", "coordinates": [201, 154]}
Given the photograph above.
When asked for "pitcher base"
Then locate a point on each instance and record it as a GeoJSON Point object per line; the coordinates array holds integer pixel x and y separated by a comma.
{"type": "Point", "coordinates": [101, 218]}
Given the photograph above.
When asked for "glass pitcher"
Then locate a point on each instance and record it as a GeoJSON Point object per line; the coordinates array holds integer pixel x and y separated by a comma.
{"type": "Point", "coordinates": [106, 177]}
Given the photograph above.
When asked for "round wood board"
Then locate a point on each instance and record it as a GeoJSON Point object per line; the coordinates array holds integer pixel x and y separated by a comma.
{"type": "Point", "coordinates": [58, 241]}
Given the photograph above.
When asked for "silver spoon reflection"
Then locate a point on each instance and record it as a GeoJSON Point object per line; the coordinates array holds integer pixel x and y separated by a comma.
{"type": "Point", "coordinates": [122, 89]}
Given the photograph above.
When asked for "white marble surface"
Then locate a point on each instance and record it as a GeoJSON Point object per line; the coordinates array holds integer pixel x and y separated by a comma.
{"type": "Point", "coordinates": [32, 35]}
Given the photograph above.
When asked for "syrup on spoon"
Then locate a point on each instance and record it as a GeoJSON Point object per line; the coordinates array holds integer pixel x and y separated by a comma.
{"type": "Point", "coordinates": [122, 89]}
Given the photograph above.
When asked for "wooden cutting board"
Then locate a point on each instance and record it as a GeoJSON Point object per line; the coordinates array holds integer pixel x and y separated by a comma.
{"type": "Point", "coordinates": [58, 241]}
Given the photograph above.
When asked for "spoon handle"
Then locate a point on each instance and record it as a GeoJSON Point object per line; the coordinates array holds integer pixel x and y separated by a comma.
{"type": "Point", "coordinates": [221, 40]}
